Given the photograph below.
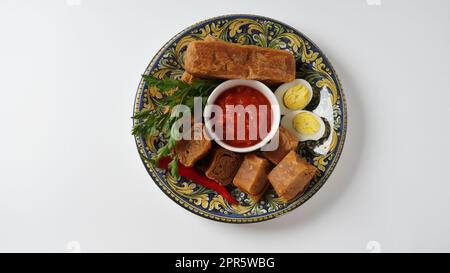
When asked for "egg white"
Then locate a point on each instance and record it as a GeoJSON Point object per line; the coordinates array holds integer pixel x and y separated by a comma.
{"type": "Point", "coordinates": [287, 120]}
{"type": "Point", "coordinates": [281, 90]}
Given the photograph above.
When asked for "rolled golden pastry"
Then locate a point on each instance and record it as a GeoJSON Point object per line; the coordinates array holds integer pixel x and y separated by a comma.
{"type": "Point", "coordinates": [223, 165]}
{"type": "Point", "coordinates": [287, 142]}
{"type": "Point", "coordinates": [190, 151]}
{"type": "Point", "coordinates": [214, 58]}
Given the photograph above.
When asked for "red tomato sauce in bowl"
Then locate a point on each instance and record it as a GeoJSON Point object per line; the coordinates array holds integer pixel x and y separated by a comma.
{"type": "Point", "coordinates": [245, 96]}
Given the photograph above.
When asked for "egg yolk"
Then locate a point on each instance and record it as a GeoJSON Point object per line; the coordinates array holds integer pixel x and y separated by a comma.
{"type": "Point", "coordinates": [306, 123]}
{"type": "Point", "coordinates": [296, 97]}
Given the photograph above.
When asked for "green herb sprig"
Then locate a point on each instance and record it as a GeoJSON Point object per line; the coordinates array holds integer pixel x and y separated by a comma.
{"type": "Point", "coordinates": [159, 120]}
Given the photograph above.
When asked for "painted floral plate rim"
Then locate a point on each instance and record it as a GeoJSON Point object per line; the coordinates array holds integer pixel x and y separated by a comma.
{"type": "Point", "coordinates": [312, 64]}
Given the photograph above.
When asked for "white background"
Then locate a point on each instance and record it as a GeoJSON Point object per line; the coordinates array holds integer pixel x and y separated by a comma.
{"type": "Point", "coordinates": [69, 169]}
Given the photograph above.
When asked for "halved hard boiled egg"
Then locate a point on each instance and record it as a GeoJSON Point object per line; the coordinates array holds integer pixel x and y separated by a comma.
{"type": "Point", "coordinates": [294, 95]}
{"type": "Point", "coordinates": [305, 125]}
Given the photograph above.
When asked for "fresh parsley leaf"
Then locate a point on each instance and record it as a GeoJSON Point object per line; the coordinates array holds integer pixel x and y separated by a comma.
{"type": "Point", "coordinates": [175, 92]}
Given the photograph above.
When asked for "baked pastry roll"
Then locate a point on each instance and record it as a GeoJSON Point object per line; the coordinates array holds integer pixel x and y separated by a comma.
{"type": "Point", "coordinates": [214, 58]}
{"type": "Point", "coordinates": [251, 177]}
{"type": "Point", "coordinates": [286, 142]}
{"type": "Point", "coordinates": [291, 176]}
{"type": "Point", "coordinates": [190, 151]}
{"type": "Point", "coordinates": [222, 165]}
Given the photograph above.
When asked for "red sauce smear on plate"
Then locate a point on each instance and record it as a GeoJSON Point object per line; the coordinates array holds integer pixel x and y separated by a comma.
{"type": "Point", "coordinates": [245, 96]}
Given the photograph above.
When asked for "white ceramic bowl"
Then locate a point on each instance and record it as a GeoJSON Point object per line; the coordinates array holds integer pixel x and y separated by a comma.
{"type": "Point", "coordinates": [275, 122]}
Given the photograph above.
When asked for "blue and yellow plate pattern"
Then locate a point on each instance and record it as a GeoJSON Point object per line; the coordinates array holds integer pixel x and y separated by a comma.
{"type": "Point", "coordinates": [312, 65]}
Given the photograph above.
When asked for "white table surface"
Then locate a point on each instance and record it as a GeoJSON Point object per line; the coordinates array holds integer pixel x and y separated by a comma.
{"type": "Point", "coordinates": [71, 178]}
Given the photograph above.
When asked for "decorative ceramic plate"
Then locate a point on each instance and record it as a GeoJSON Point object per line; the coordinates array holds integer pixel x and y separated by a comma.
{"type": "Point", "coordinates": [312, 65]}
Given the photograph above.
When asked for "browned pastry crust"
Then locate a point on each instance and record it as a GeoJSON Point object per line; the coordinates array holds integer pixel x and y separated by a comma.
{"type": "Point", "coordinates": [256, 197]}
{"type": "Point", "coordinates": [222, 165]}
{"type": "Point", "coordinates": [287, 142]}
{"type": "Point", "coordinates": [214, 58]}
{"type": "Point", "coordinates": [291, 176]}
{"type": "Point", "coordinates": [190, 151]}
{"type": "Point", "coordinates": [251, 177]}
{"type": "Point", "coordinates": [187, 78]}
